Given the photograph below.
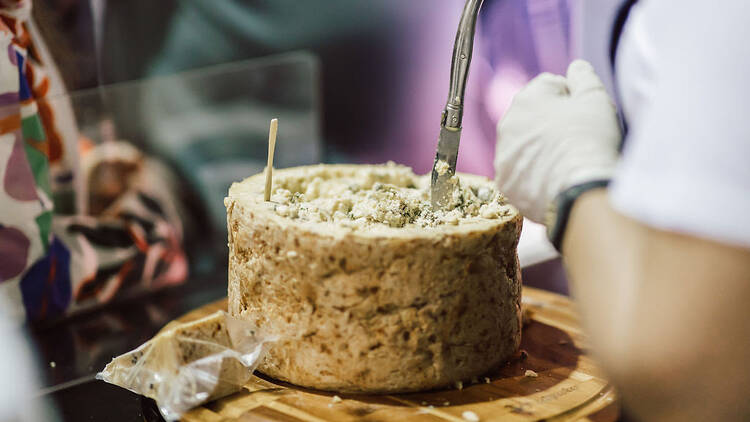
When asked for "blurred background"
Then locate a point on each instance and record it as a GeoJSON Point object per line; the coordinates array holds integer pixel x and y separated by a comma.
{"type": "Point", "coordinates": [194, 83]}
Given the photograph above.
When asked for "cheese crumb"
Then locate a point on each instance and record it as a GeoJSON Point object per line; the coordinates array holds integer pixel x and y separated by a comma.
{"type": "Point", "coordinates": [282, 210]}
{"type": "Point", "coordinates": [52, 364]}
{"type": "Point", "coordinates": [459, 385]}
{"type": "Point", "coordinates": [336, 399]}
{"type": "Point", "coordinates": [292, 254]}
{"type": "Point", "coordinates": [531, 374]}
{"type": "Point", "coordinates": [487, 380]}
{"type": "Point", "coordinates": [447, 403]}
{"type": "Point", "coordinates": [470, 416]}
{"type": "Point", "coordinates": [484, 193]}
{"type": "Point", "coordinates": [442, 167]}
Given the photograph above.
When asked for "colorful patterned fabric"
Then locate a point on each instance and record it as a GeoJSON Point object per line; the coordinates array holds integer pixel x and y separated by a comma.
{"type": "Point", "coordinates": [55, 256]}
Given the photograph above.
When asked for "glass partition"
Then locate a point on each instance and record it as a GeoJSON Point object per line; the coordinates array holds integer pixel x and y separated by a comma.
{"type": "Point", "coordinates": [211, 124]}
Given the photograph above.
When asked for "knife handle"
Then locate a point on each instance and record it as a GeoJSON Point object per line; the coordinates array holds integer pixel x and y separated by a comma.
{"type": "Point", "coordinates": [462, 49]}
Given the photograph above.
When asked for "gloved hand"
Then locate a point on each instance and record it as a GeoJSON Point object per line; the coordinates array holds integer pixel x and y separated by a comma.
{"type": "Point", "coordinates": [558, 132]}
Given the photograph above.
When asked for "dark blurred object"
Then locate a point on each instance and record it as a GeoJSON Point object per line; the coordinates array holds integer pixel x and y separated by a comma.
{"type": "Point", "coordinates": [98, 401]}
{"type": "Point", "coordinates": [68, 28]}
{"type": "Point", "coordinates": [132, 35]}
{"type": "Point", "coordinates": [76, 30]}
{"type": "Point", "coordinates": [546, 275]}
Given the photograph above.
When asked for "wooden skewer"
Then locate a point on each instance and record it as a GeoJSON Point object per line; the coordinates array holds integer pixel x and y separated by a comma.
{"type": "Point", "coordinates": [271, 147]}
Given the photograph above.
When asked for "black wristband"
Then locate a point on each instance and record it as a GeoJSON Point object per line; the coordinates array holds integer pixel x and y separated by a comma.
{"type": "Point", "coordinates": [559, 211]}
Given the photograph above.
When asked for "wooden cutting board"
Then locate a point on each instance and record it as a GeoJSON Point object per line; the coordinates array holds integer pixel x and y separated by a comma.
{"type": "Point", "coordinates": [568, 385]}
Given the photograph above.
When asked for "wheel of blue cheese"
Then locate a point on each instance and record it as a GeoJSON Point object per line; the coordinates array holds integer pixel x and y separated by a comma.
{"type": "Point", "coordinates": [367, 286]}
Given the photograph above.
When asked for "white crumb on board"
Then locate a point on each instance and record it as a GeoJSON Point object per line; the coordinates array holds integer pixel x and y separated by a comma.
{"type": "Point", "coordinates": [470, 416]}
{"type": "Point", "coordinates": [531, 374]}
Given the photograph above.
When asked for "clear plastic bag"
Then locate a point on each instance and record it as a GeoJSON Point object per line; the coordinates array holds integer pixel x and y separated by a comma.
{"type": "Point", "coordinates": [191, 363]}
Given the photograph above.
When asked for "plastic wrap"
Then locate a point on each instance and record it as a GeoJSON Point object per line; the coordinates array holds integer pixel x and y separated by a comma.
{"type": "Point", "coordinates": [191, 363]}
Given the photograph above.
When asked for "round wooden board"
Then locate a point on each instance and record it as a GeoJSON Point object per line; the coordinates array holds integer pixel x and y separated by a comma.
{"type": "Point", "coordinates": [568, 385]}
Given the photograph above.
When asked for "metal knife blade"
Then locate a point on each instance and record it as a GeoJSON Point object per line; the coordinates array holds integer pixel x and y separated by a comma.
{"type": "Point", "coordinates": [441, 190]}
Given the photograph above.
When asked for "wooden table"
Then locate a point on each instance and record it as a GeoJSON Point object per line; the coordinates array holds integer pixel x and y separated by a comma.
{"type": "Point", "coordinates": [568, 385]}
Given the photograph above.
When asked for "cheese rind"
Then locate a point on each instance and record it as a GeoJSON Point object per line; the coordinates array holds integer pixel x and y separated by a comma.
{"type": "Point", "coordinates": [378, 307]}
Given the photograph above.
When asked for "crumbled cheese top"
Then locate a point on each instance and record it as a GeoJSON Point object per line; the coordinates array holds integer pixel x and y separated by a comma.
{"type": "Point", "coordinates": [389, 195]}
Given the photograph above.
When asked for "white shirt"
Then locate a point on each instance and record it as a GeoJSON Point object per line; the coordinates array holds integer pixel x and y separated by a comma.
{"type": "Point", "coordinates": [683, 75]}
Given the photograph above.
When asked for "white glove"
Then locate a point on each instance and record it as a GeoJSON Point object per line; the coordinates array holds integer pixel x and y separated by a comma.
{"type": "Point", "coordinates": [558, 132]}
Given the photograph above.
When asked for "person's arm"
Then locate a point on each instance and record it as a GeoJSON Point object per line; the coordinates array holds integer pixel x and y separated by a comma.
{"type": "Point", "coordinates": [667, 314]}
